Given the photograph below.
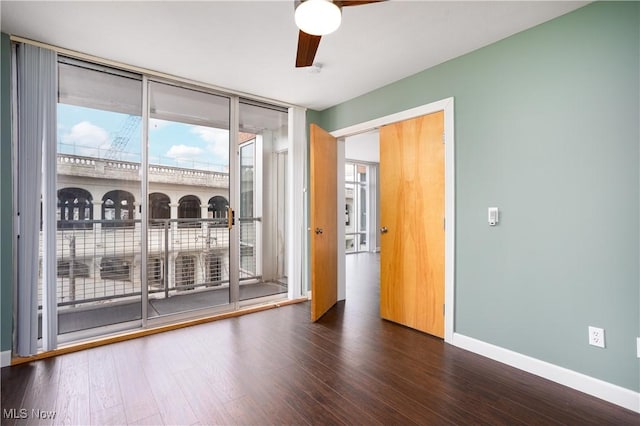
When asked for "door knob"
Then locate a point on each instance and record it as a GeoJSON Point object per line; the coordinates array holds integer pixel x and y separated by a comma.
{"type": "Point", "coordinates": [384, 230]}
{"type": "Point", "coordinates": [318, 230]}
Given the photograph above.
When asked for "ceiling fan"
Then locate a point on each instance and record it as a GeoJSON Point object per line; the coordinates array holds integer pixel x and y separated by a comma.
{"type": "Point", "coordinates": [316, 18]}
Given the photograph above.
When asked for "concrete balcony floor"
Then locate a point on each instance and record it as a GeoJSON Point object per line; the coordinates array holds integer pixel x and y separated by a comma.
{"type": "Point", "coordinates": [87, 317]}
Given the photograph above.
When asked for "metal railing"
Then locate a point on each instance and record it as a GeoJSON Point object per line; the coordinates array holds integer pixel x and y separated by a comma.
{"type": "Point", "coordinates": [100, 260]}
{"type": "Point", "coordinates": [248, 244]}
{"type": "Point", "coordinates": [187, 253]}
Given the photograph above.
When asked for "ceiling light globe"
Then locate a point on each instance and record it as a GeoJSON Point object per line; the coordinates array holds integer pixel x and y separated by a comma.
{"type": "Point", "coordinates": [318, 17]}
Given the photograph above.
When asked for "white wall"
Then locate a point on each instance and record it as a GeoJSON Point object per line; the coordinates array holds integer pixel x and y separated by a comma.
{"type": "Point", "coordinates": [364, 147]}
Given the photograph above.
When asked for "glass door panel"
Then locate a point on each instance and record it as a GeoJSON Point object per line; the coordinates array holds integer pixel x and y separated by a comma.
{"type": "Point", "coordinates": [188, 181]}
{"type": "Point", "coordinates": [248, 220]}
{"type": "Point", "coordinates": [263, 138]}
{"type": "Point", "coordinates": [99, 193]}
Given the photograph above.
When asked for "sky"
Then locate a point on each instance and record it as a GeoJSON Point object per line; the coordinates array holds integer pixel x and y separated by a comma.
{"type": "Point", "coordinates": [91, 132]}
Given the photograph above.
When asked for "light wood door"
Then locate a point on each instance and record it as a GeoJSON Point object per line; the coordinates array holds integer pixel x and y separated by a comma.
{"type": "Point", "coordinates": [412, 214]}
{"type": "Point", "coordinates": [323, 221]}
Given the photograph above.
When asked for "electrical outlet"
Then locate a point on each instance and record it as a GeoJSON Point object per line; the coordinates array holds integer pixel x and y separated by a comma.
{"type": "Point", "coordinates": [596, 336]}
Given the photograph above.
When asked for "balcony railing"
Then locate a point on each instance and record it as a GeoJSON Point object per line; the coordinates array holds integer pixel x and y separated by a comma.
{"type": "Point", "coordinates": [100, 260]}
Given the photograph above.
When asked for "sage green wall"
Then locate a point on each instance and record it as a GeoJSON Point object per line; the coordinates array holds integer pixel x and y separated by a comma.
{"type": "Point", "coordinates": [547, 129]}
{"type": "Point", "coordinates": [6, 263]}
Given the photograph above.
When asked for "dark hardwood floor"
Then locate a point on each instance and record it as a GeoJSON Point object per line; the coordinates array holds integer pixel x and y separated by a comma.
{"type": "Point", "coordinates": [275, 367]}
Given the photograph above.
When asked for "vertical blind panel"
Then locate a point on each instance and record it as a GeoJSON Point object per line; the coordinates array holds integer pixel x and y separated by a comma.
{"type": "Point", "coordinates": [48, 99]}
{"type": "Point", "coordinates": [96, 89]}
{"type": "Point", "coordinates": [188, 106]}
{"type": "Point", "coordinates": [35, 66]}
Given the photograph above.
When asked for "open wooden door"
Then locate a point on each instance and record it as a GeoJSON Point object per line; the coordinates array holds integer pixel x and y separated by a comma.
{"type": "Point", "coordinates": [412, 223]}
{"type": "Point", "coordinates": [323, 221]}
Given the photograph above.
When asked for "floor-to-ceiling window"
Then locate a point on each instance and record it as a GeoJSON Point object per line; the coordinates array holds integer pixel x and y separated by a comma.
{"type": "Point", "coordinates": [356, 206]}
{"type": "Point", "coordinates": [99, 193]}
{"type": "Point", "coordinates": [147, 212]}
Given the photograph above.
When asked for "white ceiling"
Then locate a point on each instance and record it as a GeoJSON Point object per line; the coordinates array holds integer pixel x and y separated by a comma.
{"type": "Point", "coordinates": [250, 46]}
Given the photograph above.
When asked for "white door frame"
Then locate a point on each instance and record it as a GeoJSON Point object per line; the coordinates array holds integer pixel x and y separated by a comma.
{"type": "Point", "coordinates": [445, 105]}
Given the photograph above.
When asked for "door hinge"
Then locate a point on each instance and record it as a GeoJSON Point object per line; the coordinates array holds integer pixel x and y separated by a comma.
{"type": "Point", "coordinates": [442, 137]}
{"type": "Point", "coordinates": [443, 309]}
{"type": "Point", "coordinates": [444, 223]}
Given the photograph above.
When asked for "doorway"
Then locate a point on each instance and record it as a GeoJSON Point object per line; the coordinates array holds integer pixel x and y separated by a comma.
{"type": "Point", "coordinates": [447, 106]}
{"type": "Point", "coordinates": [362, 207]}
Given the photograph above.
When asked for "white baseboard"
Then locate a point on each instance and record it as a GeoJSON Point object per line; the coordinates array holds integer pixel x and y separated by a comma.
{"type": "Point", "coordinates": [5, 359]}
{"type": "Point", "coordinates": [600, 389]}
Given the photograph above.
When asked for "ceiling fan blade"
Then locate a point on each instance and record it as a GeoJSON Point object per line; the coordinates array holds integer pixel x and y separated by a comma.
{"type": "Point", "coordinates": [343, 3]}
{"type": "Point", "coordinates": [307, 48]}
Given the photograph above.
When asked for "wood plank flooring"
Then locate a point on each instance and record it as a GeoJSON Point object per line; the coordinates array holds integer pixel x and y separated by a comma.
{"type": "Point", "coordinates": [275, 367]}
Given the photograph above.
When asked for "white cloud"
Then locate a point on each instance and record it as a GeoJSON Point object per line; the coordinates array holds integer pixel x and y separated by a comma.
{"type": "Point", "coordinates": [207, 134]}
{"type": "Point", "coordinates": [87, 138]}
{"type": "Point", "coordinates": [184, 152]}
{"type": "Point", "coordinates": [88, 134]}
{"type": "Point", "coordinates": [217, 142]}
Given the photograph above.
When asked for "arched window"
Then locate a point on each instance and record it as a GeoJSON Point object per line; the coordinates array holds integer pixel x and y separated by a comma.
{"type": "Point", "coordinates": [159, 205]}
{"type": "Point", "coordinates": [159, 208]}
{"type": "Point", "coordinates": [218, 207]}
{"type": "Point", "coordinates": [189, 208]}
{"type": "Point", "coordinates": [75, 208]}
{"type": "Point", "coordinates": [118, 206]}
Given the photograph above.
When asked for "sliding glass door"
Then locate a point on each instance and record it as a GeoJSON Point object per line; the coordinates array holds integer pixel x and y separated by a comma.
{"type": "Point", "coordinates": [262, 141]}
{"type": "Point", "coordinates": [188, 177]}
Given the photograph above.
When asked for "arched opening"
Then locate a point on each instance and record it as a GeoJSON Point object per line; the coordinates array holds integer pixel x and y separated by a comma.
{"type": "Point", "coordinates": [189, 208]}
{"type": "Point", "coordinates": [159, 208]}
{"type": "Point", "coordinates": [118, 207]}
{"type": "Point", "coordinates": [75, 208]}
{"type": "Point", "coordinates": [218, 207]}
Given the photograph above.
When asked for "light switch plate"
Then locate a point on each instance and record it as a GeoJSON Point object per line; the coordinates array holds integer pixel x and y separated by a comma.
{"type": "Point", "coordinates": [493, 216]}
